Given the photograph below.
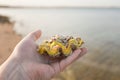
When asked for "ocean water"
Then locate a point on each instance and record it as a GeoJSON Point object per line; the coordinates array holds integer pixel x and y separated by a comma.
{"type": "Point", "coordinates": [81, 22]}
{"type": "Point", "coordinates": [99, 28]}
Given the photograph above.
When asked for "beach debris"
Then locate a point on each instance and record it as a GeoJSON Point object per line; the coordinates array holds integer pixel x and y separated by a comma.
{"type": "Point", "coordinates": [60, 46]}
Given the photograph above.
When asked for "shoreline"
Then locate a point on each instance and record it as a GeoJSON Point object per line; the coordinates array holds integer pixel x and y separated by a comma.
{"type": "Point", "coordinates": [63, 6]}
{"type": "Point", "coordinates": [8, 40]}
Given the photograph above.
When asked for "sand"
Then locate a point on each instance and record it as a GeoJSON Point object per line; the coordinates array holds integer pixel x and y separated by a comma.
{"type": "Point", "coordinates": [8, 40]}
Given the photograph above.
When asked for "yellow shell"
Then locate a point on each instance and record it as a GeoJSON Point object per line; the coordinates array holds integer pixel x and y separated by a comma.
{"type": "Point", "coordinates": [60, 45]}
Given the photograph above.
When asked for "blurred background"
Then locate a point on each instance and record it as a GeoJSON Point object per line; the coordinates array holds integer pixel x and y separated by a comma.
{"type": "Point", "coordinates": [97, 22]}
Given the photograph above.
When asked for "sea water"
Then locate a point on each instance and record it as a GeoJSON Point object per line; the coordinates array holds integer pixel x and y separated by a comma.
{"type": "Point", "coordinates": [99, 28]}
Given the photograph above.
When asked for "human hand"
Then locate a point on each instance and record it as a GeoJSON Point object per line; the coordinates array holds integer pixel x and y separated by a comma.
{"type": "Point", "coordinates": [26, 64]}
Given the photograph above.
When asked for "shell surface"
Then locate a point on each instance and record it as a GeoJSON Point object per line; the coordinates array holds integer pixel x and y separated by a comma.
{"type": "Point", "coordinates": [60, 46]}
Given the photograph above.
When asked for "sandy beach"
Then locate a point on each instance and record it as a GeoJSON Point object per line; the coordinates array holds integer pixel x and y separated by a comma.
{"type": "Point", "coordinates": [8, 40]}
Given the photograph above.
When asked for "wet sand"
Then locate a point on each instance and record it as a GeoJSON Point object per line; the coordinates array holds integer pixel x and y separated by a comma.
{"type": "Point", "coordinates": [8, 40]}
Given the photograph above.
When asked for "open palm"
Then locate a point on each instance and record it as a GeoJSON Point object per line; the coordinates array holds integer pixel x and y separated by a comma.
{"type": "Point", "coordinates": [34, 66]}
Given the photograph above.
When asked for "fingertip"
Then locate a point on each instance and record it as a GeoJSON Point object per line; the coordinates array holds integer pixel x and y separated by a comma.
{"type": "Point", "coordinates": [83, 51]}
{"type": "Point", "coordinates": [36, 34]}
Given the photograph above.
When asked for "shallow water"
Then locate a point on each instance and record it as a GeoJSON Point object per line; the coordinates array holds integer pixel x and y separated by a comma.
{"type": "Point", "coordinates": [98, 27]}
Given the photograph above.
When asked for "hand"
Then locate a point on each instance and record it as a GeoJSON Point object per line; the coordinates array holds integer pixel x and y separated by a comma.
{"type": "Point", "coordinates": [26, 64]}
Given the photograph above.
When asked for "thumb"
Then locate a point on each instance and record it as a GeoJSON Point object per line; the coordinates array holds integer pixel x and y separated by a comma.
{"type": "Point", "coordinates": [33, 35]}
{"type": "Point", "coordinates": [28, 41]}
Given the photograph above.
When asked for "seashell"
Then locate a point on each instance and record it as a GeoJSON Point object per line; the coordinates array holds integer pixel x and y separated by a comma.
{"type": "Point", "coordinates": [60, 46]}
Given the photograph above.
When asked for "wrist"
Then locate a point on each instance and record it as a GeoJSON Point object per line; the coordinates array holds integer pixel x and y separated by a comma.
{"type": "Point", "coordinates": [7, 68]}
{"type": "Point", "coordinates": [11, 70]}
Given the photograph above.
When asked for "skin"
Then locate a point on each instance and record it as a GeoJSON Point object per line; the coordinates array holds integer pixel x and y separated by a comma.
{"type": "Point", "coordinates": [26, 64]}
